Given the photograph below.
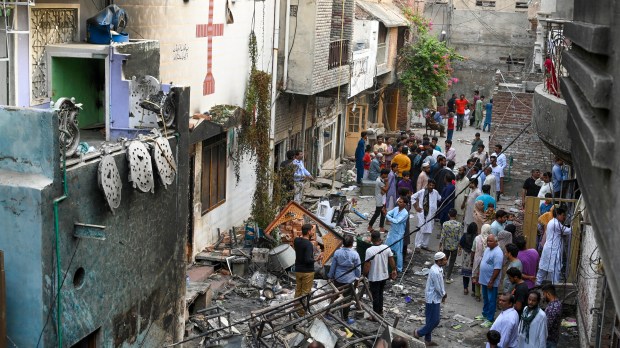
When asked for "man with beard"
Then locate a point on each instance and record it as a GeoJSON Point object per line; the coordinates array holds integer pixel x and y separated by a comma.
{"type": "Point", "coordinates": [533, 326]}
{"type": "Point", "coordinates": [425, 204]}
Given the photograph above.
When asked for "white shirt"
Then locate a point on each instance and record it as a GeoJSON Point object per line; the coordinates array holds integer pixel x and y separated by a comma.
{"type": "Point", "coordinates": [435, 290]}
{"type": "Point", "coordinates": [551, 257]}
{"type": "Point", "coordinates": [538, 331]}
{"type": "Point", "coordinates": [498, 173]}
{"type": "Point", "coordinates": [507, 324]}
{"type": "Point", "coordinates": [378, 265]}
{"type": "Point", "coordinates": [545, 187]}
{"type": "Point", "coordinates": [451, 154]}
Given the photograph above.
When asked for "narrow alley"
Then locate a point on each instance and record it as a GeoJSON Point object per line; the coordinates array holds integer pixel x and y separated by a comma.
{"type": "Point", "coordinates": [187, 173]}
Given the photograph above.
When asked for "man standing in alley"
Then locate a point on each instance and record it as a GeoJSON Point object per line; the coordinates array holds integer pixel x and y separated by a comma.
{"type": "Point", "coordinates": [300, 175]}
{"type": "Point", "coordinates": [423, 177]}
{"type": "Point", "coordinates": [425, 204]}
{"type": "Point", "coordinates": [360, 151]}
{"type": "Point", "coordinates": [450, 151]}
{"type": "Point", "coordinates": [461, 104]}
{"type": "Point", "coordinates": [451, 232]}
{"type": "Point", "coordinates": [381, 189]}
{"type": "Point", "coordinates": [344, 260]}
{"type": "Point", "coordinates": [435, 294]}
{"type": "Point", "coordinates": [490, 268]}
{"type": "Point", "coordinates": [501, 157]}
{"type": "Point", "coordinates": [475, 147]}
{"type": "Point", "coordinates": [304, 263]}
{"type": "Point", "coordinates": [398, 217]}
{"type": "Point", "coordinates": [479, 112]}
{"type": "Point", "coordinates": [530, 189]}
{"type": "Point", "coordinates": [529, 261]}
{"type": "Point", "coordinates": [500, 222]}
{"type": "Point", "coordinates": [452, 104]}
{"type": "Point", "coordinates": [550, 264]}
{"type": "Point", "coordinates": [558, 177]}
{"type": "Point", "coordinates": [378, 257]}
{"type": "Point", "coordinates": [486, 198]}
{"type": "Point", "coordinates": [488, 115]}
{"type": "Point", "coordinates": [520, 291]}
{"type": "Point", "coordinates": [507, 322]}
{"type": "Point", "coordinates": [554, 315]}
{"type": "Point", "coordinates": [498, 172]}
{"type": "Point", "coordinates": [533, 325]}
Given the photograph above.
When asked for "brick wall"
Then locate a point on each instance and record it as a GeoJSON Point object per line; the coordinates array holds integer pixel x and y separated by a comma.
{"type": "Point", "coordinates": [510, 115]}
{"type": "Point", "coordinates": [324, 78]}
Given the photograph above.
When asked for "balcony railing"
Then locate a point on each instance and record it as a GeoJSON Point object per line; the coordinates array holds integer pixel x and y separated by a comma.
{"type": "Point", "coordinates": [338, 54]}
{"type": "Point", "coordinates": [555, 44]}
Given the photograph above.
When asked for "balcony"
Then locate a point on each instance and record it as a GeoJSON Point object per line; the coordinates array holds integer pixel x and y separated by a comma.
{"type": "Point", "coordinates": [549, 118]}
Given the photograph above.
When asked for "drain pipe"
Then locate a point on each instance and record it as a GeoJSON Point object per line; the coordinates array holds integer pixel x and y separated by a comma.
{"type": "Point", "coordinates": [287, 26]}
{"type": "Point", "coordinates": [57, 233]}
{"type": "Point", "coordinates": [274, 81]}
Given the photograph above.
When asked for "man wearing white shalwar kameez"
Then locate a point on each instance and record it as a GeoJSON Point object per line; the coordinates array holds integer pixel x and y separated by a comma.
{"type": "Point", "coordinates": [550, 265]}
{"type": "Point", "coordinates": [425, 203]}
{"type": "Point", "coordinates": [533, 325]}
{"type": "Point", "coordinates": [469, 203]}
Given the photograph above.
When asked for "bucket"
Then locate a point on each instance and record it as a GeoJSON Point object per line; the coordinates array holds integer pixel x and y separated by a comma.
{"type": "Point", "coordinates": [281, 257]}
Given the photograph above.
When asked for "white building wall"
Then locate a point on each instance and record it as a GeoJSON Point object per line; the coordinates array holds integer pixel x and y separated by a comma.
{"type": "Point", "coordinates": [365, 39]}
{"type": "Point", "coordinates": [184, 58]}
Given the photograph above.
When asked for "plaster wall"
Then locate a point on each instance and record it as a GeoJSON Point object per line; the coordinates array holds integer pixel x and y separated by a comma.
{"type": "Point", "coordinates": [184, 55]}
{"type": "Point", "coordinates": [132, 288]}
{"type": "Point", "coordinates": [27, 159]}
{"type": "Point", "coordinates": [233, 212]}
{"type": "Point", "coordinates": [485, 39]}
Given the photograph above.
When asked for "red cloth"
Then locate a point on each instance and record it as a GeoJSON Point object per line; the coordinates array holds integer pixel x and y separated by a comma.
{"type": "Point", "coordinates": [366, 160]}
{"type": "Point", "coordinates": [460, 105]}
{"type": "Point", "coordinates": [450, 123]}
{"type": "Point", "coordinates": [552, 80]}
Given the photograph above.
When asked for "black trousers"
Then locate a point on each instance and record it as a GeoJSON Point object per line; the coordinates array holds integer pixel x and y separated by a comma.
{"type": "Point", "coordinates": [378, 212]}
{"type": "Point", "coordinates": [376, 290]}
{"type": "Point", "coordinates": [347, 292]}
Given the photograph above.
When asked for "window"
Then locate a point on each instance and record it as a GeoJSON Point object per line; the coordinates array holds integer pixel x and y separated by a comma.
{"type": "Point", "coordinates": [328, 136]}
{"type": "Point", "coordinates": [382, 44]}
{"type": "Point", "coordinates": [213, 191]}
{"type": "Point", "coordinates": [521, 4]}
{"type": "Point", "coordinates": [485, 3]}
{"type": "Point", "coordinates": [338, 54]}
{"type": "Point", "coordinates": [354, 120]}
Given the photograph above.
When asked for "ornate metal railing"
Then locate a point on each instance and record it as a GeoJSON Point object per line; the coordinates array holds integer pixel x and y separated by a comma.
{"type": "Point", "coordinates": [555, 44]}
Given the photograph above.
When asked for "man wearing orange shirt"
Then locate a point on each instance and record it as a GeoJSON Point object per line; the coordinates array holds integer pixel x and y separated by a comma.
{"type": "Point", "coordinates": [461, 104]}
{"type": "Point", "coordinates": [403, 161]}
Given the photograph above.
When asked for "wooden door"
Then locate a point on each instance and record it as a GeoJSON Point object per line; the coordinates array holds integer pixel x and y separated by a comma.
{"type": "Point", "coordinates": [356, 123]}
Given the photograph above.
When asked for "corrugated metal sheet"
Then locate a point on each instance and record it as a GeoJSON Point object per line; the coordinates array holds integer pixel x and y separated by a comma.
{"type": "Point", "coordinates": [386, 13]}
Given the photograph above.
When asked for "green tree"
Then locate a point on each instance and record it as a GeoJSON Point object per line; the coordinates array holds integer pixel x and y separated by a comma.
{"type": "Point", "coordinates": [425, 63]}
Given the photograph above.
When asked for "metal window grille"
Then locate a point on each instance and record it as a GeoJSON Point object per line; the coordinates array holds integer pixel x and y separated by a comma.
{"type": "Point", "coordinates": [338, 54]}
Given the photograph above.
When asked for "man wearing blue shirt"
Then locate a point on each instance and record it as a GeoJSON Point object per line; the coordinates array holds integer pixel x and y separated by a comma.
{"type": "Point", "coordinates": [300, 175]}
{"type": "Point", "coordinates": [345, 269]}
{"type": "Point", "coordinates": [558, 176]}
{"type": "Point", "coordinates": [486, 198]}
{"type": "Point", "coordinates": [359, 156]}
{"type": "Point", "coordinates": [490, 267]}
{"type": "Point", "coordinates": [489, 112]}
{"type": "Point", "coordinates": [500, 222]}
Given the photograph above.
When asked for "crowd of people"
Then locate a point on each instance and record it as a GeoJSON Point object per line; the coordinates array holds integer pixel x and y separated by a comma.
{"type": "Point", "coordinates": [414, 175]}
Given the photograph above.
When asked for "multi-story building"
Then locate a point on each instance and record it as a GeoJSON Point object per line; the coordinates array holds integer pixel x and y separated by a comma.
{"type": "Point", "coordinates": [380, 30]}
{"type": "Point", "coordinates": [571, 115]}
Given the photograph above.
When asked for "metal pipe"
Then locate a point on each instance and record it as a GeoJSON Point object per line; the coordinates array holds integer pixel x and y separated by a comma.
{"type": "Point", "coordinates": [287, 22]}
{"type": "Point", "coordinates": [274, 81]}
{"type": "Point", "coordinates": [56, 201]}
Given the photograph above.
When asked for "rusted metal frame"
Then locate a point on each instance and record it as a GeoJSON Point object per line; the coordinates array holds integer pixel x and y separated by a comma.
{"type": "Point", "coordinates": [294, 302]}
{"type": "Point", "coordinates": [374, 314]}
{"type": "Point", "coordinates": [297, 321]}
{"type": "Point", "coordinates": [359, 340]}
{"type": "Point", "coordinates": [352, 329]}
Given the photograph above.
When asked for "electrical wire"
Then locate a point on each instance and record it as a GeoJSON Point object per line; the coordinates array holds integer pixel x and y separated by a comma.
{"type": "Point", "coordinates": [452, 197]}
{"type": "Point", "coordinates": [58, 293]}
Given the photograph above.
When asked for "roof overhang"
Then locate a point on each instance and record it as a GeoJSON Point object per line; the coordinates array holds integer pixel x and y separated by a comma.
{"type": "Point", "coordinates": [387, 13]}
